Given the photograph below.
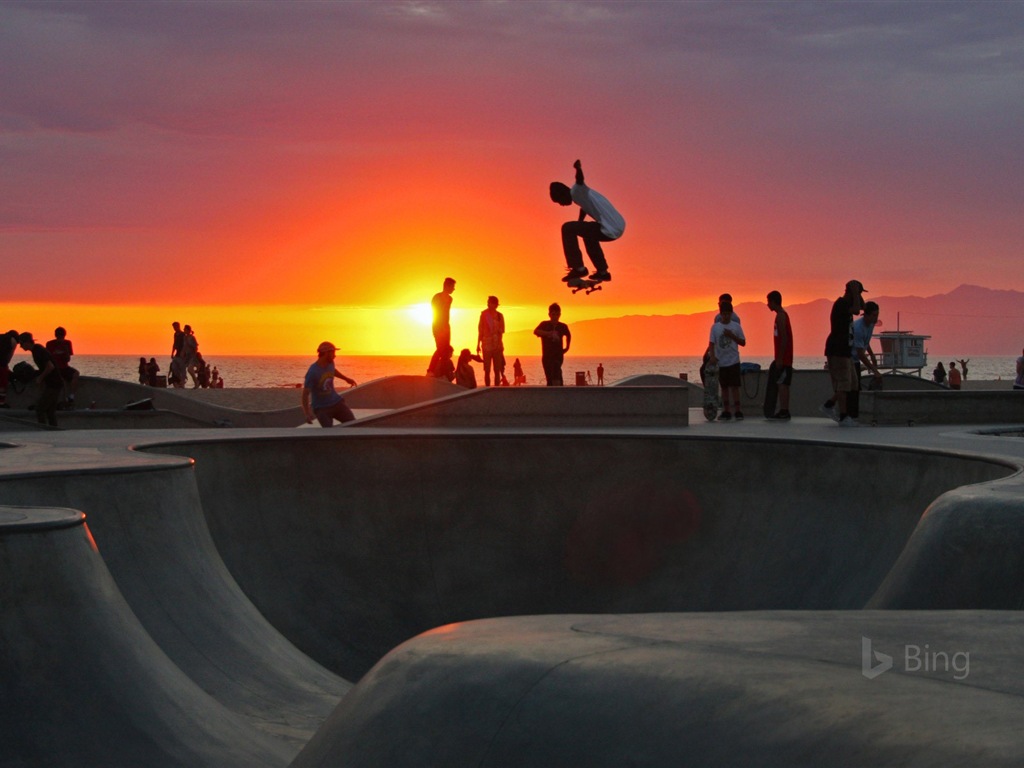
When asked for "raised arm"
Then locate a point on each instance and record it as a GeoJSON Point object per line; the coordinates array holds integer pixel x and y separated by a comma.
{"type": "Point", "coordinates": [579, 180]}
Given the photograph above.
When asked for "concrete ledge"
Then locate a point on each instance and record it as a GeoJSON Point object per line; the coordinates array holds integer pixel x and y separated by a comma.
{"type": "Point", "coordinates": [547, 407]}
{"type": "Point", "coordinates": [18, 519]}
{"type": "Point", "coordinates": [942, 407]}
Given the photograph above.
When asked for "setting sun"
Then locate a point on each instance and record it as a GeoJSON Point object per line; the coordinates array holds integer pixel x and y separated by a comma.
{"type": "Point", "coordinates": [421, 314]}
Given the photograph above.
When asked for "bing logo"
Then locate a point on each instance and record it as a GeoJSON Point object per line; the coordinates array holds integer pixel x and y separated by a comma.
{"type": "Point", "coordinates": [915, 659]}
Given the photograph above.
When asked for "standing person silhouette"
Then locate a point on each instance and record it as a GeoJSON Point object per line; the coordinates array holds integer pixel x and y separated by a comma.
{"type": "Point", "coordinates": [441, 305]}
{"type": "Point", "coordinates": [724, 344]}
{"type": "Point", "coordinates": [839, 351]}
{"type": "Point", "coordinates": [781, 369]}
{"type": "Point", "coordinates": [551, 333]}
{"type": "Point", "coordinates": [48, 380]}
{"type": "Point", "coordinates": [61, 351]}
{"type": "Point", "coordinates": [607, 225]}
{"type": "Point", "coordinates": [8, 345]}
{"type": "Point", "coordinates": [490, 331]}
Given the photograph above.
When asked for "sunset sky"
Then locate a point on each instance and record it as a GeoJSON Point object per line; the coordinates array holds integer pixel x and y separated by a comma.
{"type": "Point", "coordinates": [278, 173]}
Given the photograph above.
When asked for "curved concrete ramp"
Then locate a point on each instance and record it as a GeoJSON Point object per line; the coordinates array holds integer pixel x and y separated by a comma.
{"type": "Point", "coordinates": [967, 552]}
{"type": "Point", "coordinates": [766, 689]}
{"type": "Point", "coordinates": [149, 525]}
{"type": "Point", "coordinates": [396, 536]}
{"type": "Point", "coordinates": [171, 408]}
{"type": "Point", "coordinates": [84, 684]}
{"type": "Point", "coordinates": [399, 391]}
{"type": "Point", "coordinates": [246, 407]}
{"type": "Point", "coordinates": [650, 380]}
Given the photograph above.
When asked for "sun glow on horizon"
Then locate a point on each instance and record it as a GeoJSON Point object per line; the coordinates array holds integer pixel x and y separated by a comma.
{"type": "Point", "coordinates": [421, 314]}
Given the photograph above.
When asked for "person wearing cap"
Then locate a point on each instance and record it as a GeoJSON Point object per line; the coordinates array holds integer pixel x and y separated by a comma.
{"type": "Point", "coordinates": [319, 400]}
{"type": "Point", "coordinates": [49, 380]}
{"type": "Point", "coordinates": [839, 351]}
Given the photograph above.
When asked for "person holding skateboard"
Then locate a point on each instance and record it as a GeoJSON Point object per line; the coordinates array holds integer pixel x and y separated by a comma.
{"type": "Point", "coordinates": [607, 224]}
{"type": "Point", "coordinates": [724, 349]}
{"type": "Point", "coordinates": [780, 372]}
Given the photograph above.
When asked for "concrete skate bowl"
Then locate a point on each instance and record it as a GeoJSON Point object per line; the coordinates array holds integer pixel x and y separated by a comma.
{"type": "Point", "coordinates": [351, 543]}
{"type": "Point", "coordinates": [128, 643]}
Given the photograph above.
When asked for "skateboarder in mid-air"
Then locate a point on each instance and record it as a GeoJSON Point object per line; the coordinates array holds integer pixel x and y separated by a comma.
{"type": "Point", "coordinates": [607, 225]}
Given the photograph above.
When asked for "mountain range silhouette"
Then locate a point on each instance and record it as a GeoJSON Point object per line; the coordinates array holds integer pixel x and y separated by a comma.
{"type": "Point", "coordinates": [969, 320]}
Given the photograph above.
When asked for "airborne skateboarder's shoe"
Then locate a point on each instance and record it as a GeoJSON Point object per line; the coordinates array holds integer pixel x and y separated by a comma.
{"type": "Point", "coordinates": [576, 273]}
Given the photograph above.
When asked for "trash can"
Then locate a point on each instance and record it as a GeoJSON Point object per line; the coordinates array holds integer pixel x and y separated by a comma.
{"type": "Point", "coordinates": [581, 378]}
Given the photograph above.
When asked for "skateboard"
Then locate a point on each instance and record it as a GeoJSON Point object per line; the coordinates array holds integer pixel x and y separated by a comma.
{"type": "Point", "coordinates": [712, 400]}
{"type": "Point", "coordinates": [587, 284]}
{"type": "Point", "coordinates": [771, 392]}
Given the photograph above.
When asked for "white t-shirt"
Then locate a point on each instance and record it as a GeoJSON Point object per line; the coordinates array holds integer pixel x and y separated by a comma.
{"type": "Point", "coordinates": [726, 350]}
{"type": "Point", "coordinates": [599, 209]}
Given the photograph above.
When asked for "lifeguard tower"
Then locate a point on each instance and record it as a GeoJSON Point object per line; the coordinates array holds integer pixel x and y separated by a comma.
{"type": "Point", "coordinates": [903, 350]}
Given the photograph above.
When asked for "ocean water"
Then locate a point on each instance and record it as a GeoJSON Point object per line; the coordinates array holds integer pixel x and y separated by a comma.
{"type": "Point", "coordinates": [288, 371]}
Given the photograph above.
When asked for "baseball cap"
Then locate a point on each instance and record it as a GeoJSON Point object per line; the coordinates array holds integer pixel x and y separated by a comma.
{"type": "Point", "coordinates": [856, 285]}
{"type": "Point", "coordinates": [325, 346]}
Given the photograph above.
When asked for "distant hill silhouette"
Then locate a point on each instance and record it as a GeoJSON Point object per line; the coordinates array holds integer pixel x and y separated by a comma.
{"type": "Point", "coordinates": [969, 320]}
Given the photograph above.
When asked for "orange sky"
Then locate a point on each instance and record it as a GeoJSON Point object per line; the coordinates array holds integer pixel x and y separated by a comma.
{"type": "Point", "coordinates": [277, 174]}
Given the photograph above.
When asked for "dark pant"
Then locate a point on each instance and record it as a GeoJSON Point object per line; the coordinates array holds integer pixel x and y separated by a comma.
{"type": "Point", "coordinates": [853, 397]}
{"type": "Point", "coordinates": [442, 340]}
{"type": "Point", "coordinates": [553, 369]}
{"type": "Point", "coordinates": [46, 405]}
{"type": "Point", "coordinates": [339, 411]}
{"type": "Point", "coordinates": [592, 236]}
